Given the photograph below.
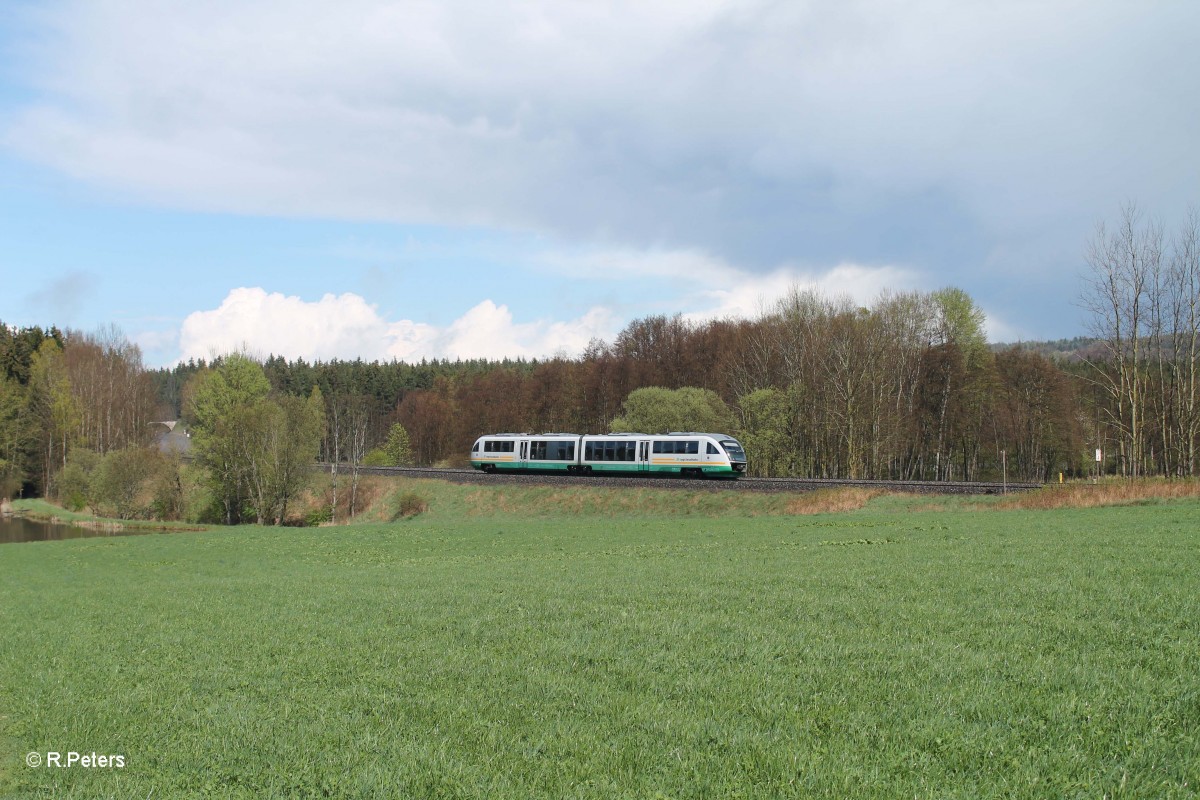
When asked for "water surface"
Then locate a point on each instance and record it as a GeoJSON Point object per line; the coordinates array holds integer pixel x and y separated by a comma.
{"type": "Point", "coordinates": [18, 529]}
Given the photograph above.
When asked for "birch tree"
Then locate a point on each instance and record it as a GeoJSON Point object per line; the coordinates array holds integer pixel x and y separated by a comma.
{"type": "Point", "coordinates": [1122, 263]}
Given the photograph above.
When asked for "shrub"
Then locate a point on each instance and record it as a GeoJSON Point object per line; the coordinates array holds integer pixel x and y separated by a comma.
{"type": "Point", "coordinates": [408, 504]}
{"type": "Point", "coordinates": [168, 502]}
{"type": "Point", "coordinates": [75, 481]}
{"type": "Point", "coordinates": [320, 515]}
{"type": "Point", "coordinates": [376, 458]}
{"type": "Point", "coordinates": [121, 476]}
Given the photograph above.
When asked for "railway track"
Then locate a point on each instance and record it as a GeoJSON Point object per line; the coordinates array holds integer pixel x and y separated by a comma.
{"type": "Point", "coordinates": [472, 476]}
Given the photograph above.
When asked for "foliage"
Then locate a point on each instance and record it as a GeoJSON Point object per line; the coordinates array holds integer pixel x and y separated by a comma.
{"type": "Point", "coordinates": [408, 504]}
{"type": "Point", "coordinates": [226, 409]}
{"type": "Point", "coordinates": [111, 391]}
{"type": "Point", "coordinates": [377, 458]}
{"type": "Point", "coordinates": [72, 390]}
{"type": "Point", "coordinates": [120, 478]}
{"type": "Point", "coordinates": [169, 501]}
{"type": "Point", "coordinates": [320, 515]}
{"type": "Point", "coordinates": [17, 346]}
{"type": "Point", "coordinates": [286, 435]}
{"type": "Point", "coordinates": [397, 448]}
{"type": "Point", "coordinates": [53, 407]}
{"type": "Point", "coordinates": [765, 415]}
{"type": "Point", "coordinates": [75, 482]}
{"type": "Point", "coordinates": [657, 410]}
{"type": "Point", "coordinates": [13, 436]}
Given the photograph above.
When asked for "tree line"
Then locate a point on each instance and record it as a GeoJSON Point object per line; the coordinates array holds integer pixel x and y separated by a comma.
{"type": "Point", "coordinates": [67, 393]}
{"type": "Point", "coordinates": [1143, 293]}
{"type": "Point", "coordinates": [816, 386]}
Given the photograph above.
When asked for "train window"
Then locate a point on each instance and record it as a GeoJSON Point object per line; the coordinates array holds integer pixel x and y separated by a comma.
{"type": "Point", "coordinates": [537, 451]}
{"type": "Point", "coordinates": [736, 453]}
{"type": "Point", "coordinates": [712, 450]}
{"type": "Point", "coordinates": [693, 448]}
{"type": "Point", "coordinates": [475, 447]}
{"type": "Point", "coordinates": [658, 447]}
{"type": "Point", "coordinates": [557, 451]}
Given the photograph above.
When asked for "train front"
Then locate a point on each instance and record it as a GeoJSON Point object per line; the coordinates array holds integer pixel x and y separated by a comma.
{"type": "Point", "coordinates": [737, 455]}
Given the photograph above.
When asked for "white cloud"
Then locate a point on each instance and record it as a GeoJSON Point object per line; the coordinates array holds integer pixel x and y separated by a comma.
{"type": "Point", "coordinates": [1000, 331]}
{"type": "Point", "coordinates": [488, 331]}
{"type": "Point", "coordinates": [347, 327]}
{"type": "Point", "coordinates": [707, 287]}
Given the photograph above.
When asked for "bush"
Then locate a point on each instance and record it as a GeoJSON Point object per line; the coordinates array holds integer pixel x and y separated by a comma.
{"type": "Point", "coordinates": [168, 502]}
{"type": "Point", "coordinates": [376, 458]}
{"type": "Point", "coordinates": [320, 515]}
{"type": "Point", "coordinates": [199, 502]}
{"type": "Point", "coordinates": [75, 481]}
{"type": "Point", "coordinates": [120, 477]}
{"type": "Point", "coordinates": [408, 504]}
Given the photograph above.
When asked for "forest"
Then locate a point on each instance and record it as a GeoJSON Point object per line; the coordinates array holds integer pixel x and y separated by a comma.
{"type": "Point", "coordinates": [816, 386]}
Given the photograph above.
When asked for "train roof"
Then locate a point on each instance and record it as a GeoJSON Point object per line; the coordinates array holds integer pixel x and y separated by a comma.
{"type": "Point", "coordinates": [530, 435]}
{"type": "Point", "coordinates": [699, 433]}
{"type": "Point", "coordinates": [603, 435]}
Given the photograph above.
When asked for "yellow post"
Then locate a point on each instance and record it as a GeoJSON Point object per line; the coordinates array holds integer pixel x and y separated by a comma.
{"type": "Point", "coordinates": [1060, 480]}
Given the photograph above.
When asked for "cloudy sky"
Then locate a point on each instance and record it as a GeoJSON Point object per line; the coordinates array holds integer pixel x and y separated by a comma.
{"type": "Point", "coordinates": [457, 178]}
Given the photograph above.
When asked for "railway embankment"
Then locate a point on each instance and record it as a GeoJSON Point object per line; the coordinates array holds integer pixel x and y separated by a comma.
{"type": "Point", "coordinates": [472, 476]}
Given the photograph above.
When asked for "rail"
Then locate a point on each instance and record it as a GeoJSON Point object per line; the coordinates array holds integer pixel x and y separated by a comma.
{"type": "Point", "coordinates": [675, 482]}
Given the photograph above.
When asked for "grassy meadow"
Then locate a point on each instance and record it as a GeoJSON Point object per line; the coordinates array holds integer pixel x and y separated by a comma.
{"type": "Point", "coordinates": [528, 643]}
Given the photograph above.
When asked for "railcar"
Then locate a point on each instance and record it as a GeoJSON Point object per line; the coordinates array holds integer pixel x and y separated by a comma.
{"type": "Point", "coordinates": [689, 454]}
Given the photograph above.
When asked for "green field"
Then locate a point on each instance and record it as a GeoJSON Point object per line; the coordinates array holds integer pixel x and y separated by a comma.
{"type": "Point", "coordinates": [884, 652]}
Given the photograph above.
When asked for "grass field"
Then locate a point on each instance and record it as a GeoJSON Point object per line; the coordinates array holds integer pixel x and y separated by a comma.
{"type": "Point", "coordinates": [882, 652]}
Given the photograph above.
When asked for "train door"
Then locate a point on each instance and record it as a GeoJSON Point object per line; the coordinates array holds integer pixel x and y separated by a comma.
{"type": "Point", "coordinates": [523, 456]}
{"type": "Point", "coordinates": [643, 456]}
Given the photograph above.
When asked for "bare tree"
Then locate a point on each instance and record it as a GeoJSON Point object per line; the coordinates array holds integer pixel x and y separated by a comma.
{"type": "Point", "coordinates": [1183, 289]}
{"type": "Point", "coordinates": [1122, 267]}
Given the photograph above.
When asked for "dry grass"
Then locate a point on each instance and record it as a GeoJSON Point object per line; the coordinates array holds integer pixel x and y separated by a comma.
{"type": "Point", "coordinates": [1115, 493]}
{"type": "Point", "coordinates": [832, 501]}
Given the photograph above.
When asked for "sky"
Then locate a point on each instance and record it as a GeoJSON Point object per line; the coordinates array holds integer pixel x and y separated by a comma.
{"type": "Point", "coordinates": [482, 179]}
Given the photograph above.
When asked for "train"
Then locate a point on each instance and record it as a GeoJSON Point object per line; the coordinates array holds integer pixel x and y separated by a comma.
{"type": "Point", "coordinates": [686, 454]}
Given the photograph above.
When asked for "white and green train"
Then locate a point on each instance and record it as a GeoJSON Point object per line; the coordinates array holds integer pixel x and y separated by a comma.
{"type": "Point", "coordinates": [692, 455]}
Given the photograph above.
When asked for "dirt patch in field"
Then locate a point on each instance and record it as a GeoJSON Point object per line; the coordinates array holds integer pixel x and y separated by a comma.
{"type": "Point", "coordinates": [832, 501]}
{"type": "Point", "coordinates": [1089, 495]}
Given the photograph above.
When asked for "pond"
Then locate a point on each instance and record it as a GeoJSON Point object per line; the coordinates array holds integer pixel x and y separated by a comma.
{"type": "Point", "coordinates": [19, 529]}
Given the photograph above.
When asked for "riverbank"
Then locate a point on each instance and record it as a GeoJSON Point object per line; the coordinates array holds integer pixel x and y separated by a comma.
{"type": "Point", "coordinates": [41, 510]}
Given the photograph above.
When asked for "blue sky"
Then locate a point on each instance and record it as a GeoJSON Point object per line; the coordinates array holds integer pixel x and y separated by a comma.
{"type": "Point", "coordinates": [459, 178]}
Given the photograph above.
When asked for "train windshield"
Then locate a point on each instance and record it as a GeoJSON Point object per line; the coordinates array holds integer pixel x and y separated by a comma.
{"type": "Point", "coordinates": [736, 453]}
